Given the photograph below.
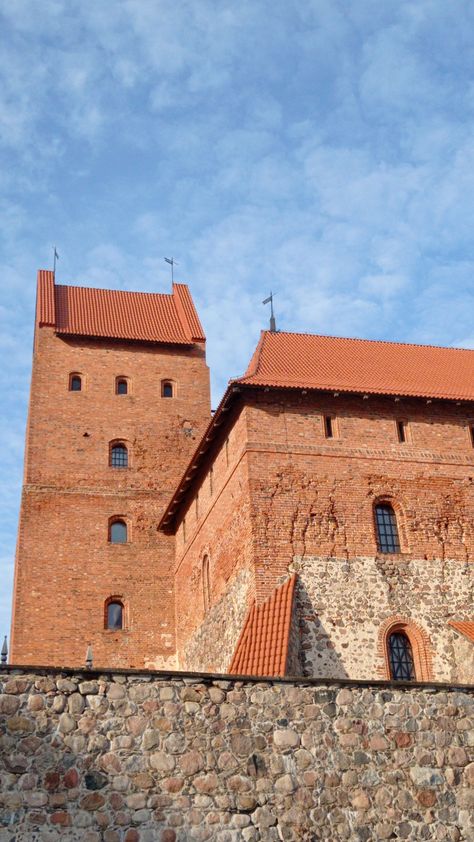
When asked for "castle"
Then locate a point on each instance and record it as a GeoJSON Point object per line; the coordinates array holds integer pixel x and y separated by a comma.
{"type": "Point", "coordinates": [320, 523]}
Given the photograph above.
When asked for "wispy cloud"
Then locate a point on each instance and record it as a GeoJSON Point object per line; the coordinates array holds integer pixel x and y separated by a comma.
{"type": "Point", "coordinates": [323, 150]}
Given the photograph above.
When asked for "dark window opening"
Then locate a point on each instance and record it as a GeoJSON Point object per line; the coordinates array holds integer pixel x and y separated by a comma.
{"type": "Point", "coordinates": [205, 583]}
{"type": "Point", "coordinates": [211, 481]}
{"type": "Point", "coordinates": [119, 456]}
{"type": "Point", "coordinates": [387, 531]}
{"type": "Point", "coordinates": [401, 431]}
{"type": "Point", "coordinates": [121, 386]}
{"type": "Point", "coordinates": [167, 390]}
{"type": "Point", "coordinates": [115, 616]}
{"type": "Point", "coordinates": [75, 383]}
{"type": "Point", "coordinates": [118, 532]}
{"type": "Point", "coordinates": [400, 657]}
{"type": "Point", "coordinates": [328, 427]}
{"type": "Point", "coordinates": [471, 430]}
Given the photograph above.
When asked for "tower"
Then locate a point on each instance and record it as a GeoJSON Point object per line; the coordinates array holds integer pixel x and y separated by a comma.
{"type": "Point", "coordinates": [119, 398]}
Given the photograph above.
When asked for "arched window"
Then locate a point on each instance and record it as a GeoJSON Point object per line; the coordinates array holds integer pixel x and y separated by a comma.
{"type": "Point", "coordinates": [114, 615]}
{"type": "Point", "coordinates": [121, 386]}
{"type": "Point", "coordinates": [400, 657]}
{"type": "Point", "coordinates": [405, 650]}
{"type": "Point", "coordinates": [75, 383]}
{"type": "Point", "coordinates": [118, 532]}
{"type": "Point", "coordinates": [206, 583]}
{"type": "Point", "coordinates": [166, 389]}
{"type": "Point", "coordinates": [119, 455]}
{"type": "Point", "coordinates": [386, 528]}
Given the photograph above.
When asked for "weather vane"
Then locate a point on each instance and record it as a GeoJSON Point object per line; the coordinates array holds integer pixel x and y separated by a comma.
{"type": "Point", "coordinates": [272, 315]}
{"type": "Point", "coordinates": [172, 262]}
{"type": "Point", "coordinates": [55, 258]}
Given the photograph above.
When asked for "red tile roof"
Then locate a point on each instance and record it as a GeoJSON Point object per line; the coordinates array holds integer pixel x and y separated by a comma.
{"type": "Point", "coordinates": [143, 316]}
{"type": "Point", "coordinates": [262, 648]}
{"type": "Point", "coordinates": [466, 627]}
{"type": "Point", "coordinates": [304, 361]}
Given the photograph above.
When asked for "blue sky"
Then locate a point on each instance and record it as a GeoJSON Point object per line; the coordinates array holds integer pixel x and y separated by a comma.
{"type": "Point", "coordinates": [320, 148]}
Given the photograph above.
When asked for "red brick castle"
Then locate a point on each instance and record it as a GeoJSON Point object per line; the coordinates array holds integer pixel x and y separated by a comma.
{"type": "Point", "coordinates": [320, 523]}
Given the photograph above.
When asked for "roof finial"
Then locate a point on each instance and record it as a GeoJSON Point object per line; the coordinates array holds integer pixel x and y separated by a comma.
{"type": "Point", "coordinates": [272, 316]}
{"type": "Point", "coordinates": [172, 262]}
{"type": "Point", "coordinates": [4, 656]}
{"type": "Point", "coordinates": [55, 258]}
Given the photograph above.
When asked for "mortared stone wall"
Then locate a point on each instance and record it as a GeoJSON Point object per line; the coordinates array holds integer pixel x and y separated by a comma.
{"type": "Point", "coordinates": [137, 757]}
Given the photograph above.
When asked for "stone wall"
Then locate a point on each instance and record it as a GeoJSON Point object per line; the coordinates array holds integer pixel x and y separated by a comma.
{"type": "Point", "coordinates": [130, 757]}
{"type": "Point", "coordinates": [344, 603]}
{"type": "Point", "coordinates": [216, 527]}
{"type": "Point", "coordinates": [213, 644]}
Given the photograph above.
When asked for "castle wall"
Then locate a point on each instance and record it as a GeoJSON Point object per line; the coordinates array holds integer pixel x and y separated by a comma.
{"type": "Point", "coordinates": [343, 605]}
{"type": "Point", "coordinates": [292, 499]}
{"type": "Point", "coordinates": [216, 526]}
{"type": "Point", "coordinates": [101, 757]}
{"type": "Point", "coordinates": [312, 512]}
{"type": "Point", "coordinates": [66, 566]}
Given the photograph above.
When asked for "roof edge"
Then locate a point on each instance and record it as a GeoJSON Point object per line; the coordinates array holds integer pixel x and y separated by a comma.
{"type": "Point", "coordinates": [187, 312]}
{"type": "Point", "coordinates": [259, 624]}
{"type": "Point", "coordinates": [45, 303]}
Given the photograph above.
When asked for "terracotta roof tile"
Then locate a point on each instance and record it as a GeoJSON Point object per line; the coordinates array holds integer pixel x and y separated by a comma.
{"type": "Point", "coordinates": [187, 311]}
{"type": "Point", "coordinates": [45, 298]}
{"type": "Point", "coordinates": [262, 648]}
{"type": "Point", "coordinates": [296, 360]}
{"type": "Point", "coordinates": [143, 316]}
{"type": "Point", "coordinates": [466, 627]}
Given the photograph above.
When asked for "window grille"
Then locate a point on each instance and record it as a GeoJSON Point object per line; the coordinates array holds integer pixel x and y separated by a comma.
{"type": "Point", "coordinates": [387, 531]}
{"type": "Point", "coordinates": [115, 615]}
{"type": "Point", "coordinates": [119, 456]}
{"type": "Point", "coordinates": [400, 657]}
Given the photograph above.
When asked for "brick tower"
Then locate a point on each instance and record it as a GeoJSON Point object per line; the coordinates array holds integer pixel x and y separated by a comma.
{"type": "Point", "coordinates": [119, 398]}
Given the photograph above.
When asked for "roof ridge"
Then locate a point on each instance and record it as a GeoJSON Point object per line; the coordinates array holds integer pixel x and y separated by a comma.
{"type": "Point", "coordinates": [106, 289]}
{"type": "Point", "coordinates": [363, 339]}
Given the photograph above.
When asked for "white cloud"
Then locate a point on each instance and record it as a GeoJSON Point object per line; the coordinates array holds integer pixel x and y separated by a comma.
{"type": "Point", "coordinates": [321, 150]}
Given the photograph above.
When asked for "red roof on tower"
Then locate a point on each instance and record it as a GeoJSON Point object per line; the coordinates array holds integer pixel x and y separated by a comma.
{"type": "Point", "coordinates": [307, 361]}
{"type": "Point", "coordinates": [142, 316]}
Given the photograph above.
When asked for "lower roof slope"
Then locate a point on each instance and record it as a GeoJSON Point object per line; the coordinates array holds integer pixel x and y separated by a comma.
{"type": "Point", "coordinates": [262, 648]}
{"type": "Point", "coordinates": [298, 360]}
{"type": "Point", "coordinates": [466, 627]}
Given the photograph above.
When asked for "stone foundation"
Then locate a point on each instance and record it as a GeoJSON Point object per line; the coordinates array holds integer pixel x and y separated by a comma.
{"type": "Point", "coordinates": [343, 604]}
{"type": "Point", "coordinates": [137, 757]}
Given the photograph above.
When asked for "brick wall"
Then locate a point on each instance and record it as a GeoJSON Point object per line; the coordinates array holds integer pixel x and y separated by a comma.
{"type": "Point", "coordinates": [101, 757]}
{"type": "Point", "coordinates": [309, 505]}
{"type": "Point", "coordinates": [219, 529]}
{"type": "Point", "coordinates": [66, 568]}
